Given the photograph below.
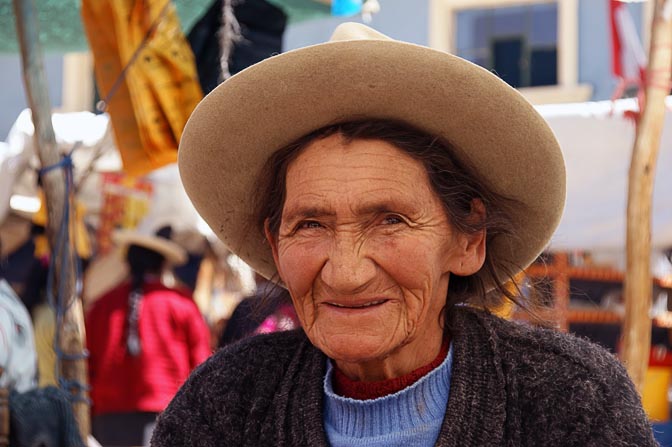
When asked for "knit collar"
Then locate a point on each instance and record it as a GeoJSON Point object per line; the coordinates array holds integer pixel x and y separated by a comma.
{"type": "Point", "coordinates": [395, 412]}
{"type": "Point", "coordinates": [477, 387]}
{"type": "Point", "coordinates": [346, 387]}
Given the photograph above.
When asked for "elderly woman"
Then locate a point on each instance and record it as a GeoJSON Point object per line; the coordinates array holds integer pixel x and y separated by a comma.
{"type": "Point", "coordinates": [392, 190]}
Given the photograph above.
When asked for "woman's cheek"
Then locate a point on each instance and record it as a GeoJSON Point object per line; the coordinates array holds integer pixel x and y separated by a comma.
{"type": "Point", "coordinates": [300, 264]}
{"type": "Point", "coordinates": [404, 259]}
{"type": "Point", "coordinates": [410, 264]}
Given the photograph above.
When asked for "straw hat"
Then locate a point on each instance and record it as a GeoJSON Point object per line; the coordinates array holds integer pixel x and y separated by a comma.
{"type": "Point", "coordinates": [173, 253]}
{"type": "Point", "coordinates": [107, 271]}
{"type": "Point", "coordinates": [102, 275]}
{"type": "Point", "coordinates": [361, 73]}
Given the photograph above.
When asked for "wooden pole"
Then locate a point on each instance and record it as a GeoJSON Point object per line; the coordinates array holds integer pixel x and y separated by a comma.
{"type": "Point", "coordinates": [73, 367]}
{"type": "Point", "coordinates": [638, 280]}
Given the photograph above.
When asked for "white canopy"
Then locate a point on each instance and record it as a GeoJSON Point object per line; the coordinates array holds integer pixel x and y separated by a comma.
{"type": "Point", "coordinates": [597, 141]}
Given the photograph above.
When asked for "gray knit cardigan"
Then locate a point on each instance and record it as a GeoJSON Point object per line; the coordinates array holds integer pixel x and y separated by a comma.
{"type": "Point", "coordinates": [511, 385]}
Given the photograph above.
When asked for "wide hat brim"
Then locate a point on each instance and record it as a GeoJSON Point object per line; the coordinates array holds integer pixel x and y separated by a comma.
{"type": "Point", "coordinates": [174, 254]}
{"type": "Point", "coordinates": [363, 74]}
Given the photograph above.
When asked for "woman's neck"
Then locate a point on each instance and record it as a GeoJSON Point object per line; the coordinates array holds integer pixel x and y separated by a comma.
{"type": "Point", "coordinates": [408, 358]}
{"type": "Point", "coordinates": [346, 387]}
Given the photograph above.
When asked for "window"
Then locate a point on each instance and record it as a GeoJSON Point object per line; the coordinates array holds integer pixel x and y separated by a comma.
{"type": "Point", "coordinates": [519, 43]}
{"type": "Point", "coordinates": [531, 44]}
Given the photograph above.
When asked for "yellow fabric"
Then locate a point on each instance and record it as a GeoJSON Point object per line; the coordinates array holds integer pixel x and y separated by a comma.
{"type": "Point", "coordinates": [504, 310]}
{"type": "Point", "coordinates": [41, 246]}
{"type": "Point", "coordinates": [159, 89]}
{"type": "Point", "coordinates": [507, 307]}
{"type": "Point", "coordinates": [44, 322]}
{"type": "Point", "coordinates": [80, 234]}
{"type": "Point", "coordinates": [654, 395]}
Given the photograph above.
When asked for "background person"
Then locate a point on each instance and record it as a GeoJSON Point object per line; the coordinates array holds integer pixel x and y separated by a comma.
{"type": "Point", "coordinates": [18, 359]}
{"type": "Point", "coordinates": [144, 339]}
{"type": "Point", "coordinates": [398, 189]}
{"type": "Point", "coordinates": [268, 310]}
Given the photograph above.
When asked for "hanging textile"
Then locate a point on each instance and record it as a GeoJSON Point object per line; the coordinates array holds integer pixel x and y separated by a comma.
{"type": "Point", "coordinates": [146, 74]}
{"type": "Point", "coordinates": [261, 25]}
{"type": "Point", "coordinates": [628, 58]}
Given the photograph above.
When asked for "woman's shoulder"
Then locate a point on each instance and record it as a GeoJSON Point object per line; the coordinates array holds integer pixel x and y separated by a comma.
{"type": "Point", "coordinates": [273, 348]}
{"type": "Point", "coordinates": [532, 344]}
{"type": "Point", "coordinates": [235, 387]}
{"type": "Point", "coordinates": [545, 370]}
{"type": "Point", "coordinates": [539, 354]}
{"type": "Point", "coordinates": [260, 355]}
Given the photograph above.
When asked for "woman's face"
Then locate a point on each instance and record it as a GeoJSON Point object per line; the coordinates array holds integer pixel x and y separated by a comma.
{"type": "Point", "coordinates": [366, 251]}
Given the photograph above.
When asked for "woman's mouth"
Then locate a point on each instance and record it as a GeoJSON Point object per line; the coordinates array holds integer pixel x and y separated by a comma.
{"type": "Point", "coordinates": [358, 305]}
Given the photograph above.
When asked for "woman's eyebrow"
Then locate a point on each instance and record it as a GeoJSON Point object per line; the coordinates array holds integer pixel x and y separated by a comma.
{"type": "Point", "coordinates": [387, 206]}
{"type": "Point", "coordinates": [307, 212]}
{"type": "Point", "coordinates": [375, 208]}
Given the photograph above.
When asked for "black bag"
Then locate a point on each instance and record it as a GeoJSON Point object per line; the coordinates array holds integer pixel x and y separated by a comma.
{"type": "Point", "coordinates": [42, 417]}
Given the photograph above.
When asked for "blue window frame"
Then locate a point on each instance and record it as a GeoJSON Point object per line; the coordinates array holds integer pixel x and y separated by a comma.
{"type": "Point", "coordinates": [519, 43]}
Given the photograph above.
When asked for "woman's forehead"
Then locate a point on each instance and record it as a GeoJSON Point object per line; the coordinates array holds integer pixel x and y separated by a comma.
{"type": "Point", "coordinates": [335, 160]}
{"type": "Point", "coordinates": [337, 151]}
{"type": "Point", "coordinates": [368, 176]}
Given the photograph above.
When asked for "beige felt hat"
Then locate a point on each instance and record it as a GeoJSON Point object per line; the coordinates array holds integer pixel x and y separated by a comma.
{"type": "Point", "coordinates": [361, 73]}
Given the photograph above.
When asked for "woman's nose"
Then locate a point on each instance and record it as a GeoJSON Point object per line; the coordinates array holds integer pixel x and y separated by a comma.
{"type": "Point", "coordinates": [348, 269]}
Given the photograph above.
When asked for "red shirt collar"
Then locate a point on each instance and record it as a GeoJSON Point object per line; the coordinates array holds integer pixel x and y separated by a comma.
{"type": "Point", "coordinates": [353, 389]}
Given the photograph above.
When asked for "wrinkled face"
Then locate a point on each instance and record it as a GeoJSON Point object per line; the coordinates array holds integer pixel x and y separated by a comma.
{"type": "Point", "coordinates": [366, 250]}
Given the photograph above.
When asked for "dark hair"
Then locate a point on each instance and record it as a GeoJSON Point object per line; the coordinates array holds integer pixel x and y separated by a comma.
{"type": "Point", "coordinates": [454, 182]}
{"type": "Point", "coordinates": [141, 261]}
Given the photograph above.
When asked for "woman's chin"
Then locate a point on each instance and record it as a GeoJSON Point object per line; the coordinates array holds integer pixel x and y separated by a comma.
{"type": "Point", "coordinates": [353, 348]}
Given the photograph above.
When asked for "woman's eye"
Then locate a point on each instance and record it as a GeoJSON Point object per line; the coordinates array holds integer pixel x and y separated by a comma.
{"type": "Point", "coordinates": [392, 220]}
{"type": "Point", "coordinates": [308, 224]}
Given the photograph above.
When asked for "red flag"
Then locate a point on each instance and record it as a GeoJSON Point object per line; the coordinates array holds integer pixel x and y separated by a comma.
{"type": "Point", "coordinates": [628, 62]}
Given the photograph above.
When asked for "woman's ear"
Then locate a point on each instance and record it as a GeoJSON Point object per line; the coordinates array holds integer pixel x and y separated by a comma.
{"type": "Point", "coordinates": [469, 255]}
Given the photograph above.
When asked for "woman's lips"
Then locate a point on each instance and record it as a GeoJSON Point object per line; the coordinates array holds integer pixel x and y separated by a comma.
{"type": "Point", "coordinates": [361, 305]}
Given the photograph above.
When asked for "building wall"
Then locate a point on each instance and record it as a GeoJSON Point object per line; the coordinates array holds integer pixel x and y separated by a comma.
{"type": "Point", "coordinates": [409, 21]}
{"type": "Point", "coordinates": [12, 94]}
{"type": "Point", "coordinates": [406, 20]}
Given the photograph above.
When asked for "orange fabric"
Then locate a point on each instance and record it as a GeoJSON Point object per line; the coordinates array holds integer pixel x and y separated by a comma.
{"type": "Point", "coordinates": [160, 88]}
{"type": "Point", "coordinates": [79, 235]}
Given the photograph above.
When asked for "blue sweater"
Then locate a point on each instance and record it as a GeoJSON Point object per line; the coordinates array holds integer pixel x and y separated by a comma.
{"type": "Point", "coordinates": [410, 417]}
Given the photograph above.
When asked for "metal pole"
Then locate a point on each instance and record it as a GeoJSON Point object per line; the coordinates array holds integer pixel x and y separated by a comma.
{"type": "Point", "coordinates": [638, 280]}
{"type": "Point", "coordinates": [71, 330]}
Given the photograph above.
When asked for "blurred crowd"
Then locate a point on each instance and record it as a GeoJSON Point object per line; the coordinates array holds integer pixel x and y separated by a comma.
{"type": "Point", "coordinates": [156, 306]}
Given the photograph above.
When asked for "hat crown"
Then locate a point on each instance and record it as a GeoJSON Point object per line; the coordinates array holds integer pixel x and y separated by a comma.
{"type": "Point", "coordinates": [355, 31]}
{"type": "Point", "coordinates": [361, 73]}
